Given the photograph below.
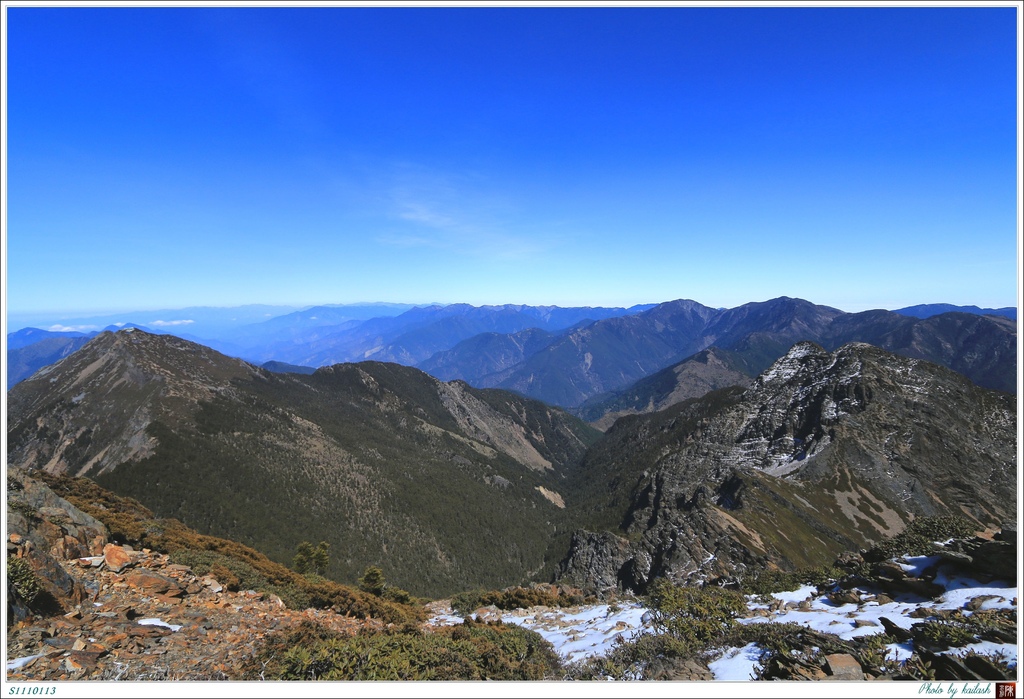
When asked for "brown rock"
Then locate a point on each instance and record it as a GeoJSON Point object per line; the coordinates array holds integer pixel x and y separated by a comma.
{"type": "Point", "coordinates": [116, 558]}
{"type": "Point", "coordinates": [61, 642]}
{"type": "Point", "coordinates": [82, 660]}
{"type": "Point", "coordinates": [149, 631]}
{"type": "Point", "coordinates": [897, 632]}
{"type": "Point", "coordinates": [921, 587]}
{"type": "Point", "coordinates": [843, 666]}
{"type": "Point", "coordinates": [890, 570]}
{"type": "Point", "coordinates": [65, 589]}
{"type": "Point", "coordinates": [984, 667]}
{"type": "Point", "coordinates": [153, 583]}
{"type": "Point", "coordinates": [116, 640]}
{"type": "Point", "coordinates": [976, 603]}
{"type": "Point", "coordinates": [211, 583]}
{"type": "Point", "coordinates": [844, 597]}
{"type": "Point", "coordinates": [73, 547]}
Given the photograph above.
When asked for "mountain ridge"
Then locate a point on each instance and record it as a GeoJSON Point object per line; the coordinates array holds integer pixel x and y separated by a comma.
{"type": "Point", "coordinates": [387, 464]}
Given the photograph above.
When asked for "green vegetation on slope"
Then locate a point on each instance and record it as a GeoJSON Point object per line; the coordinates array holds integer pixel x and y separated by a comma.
{"type": "Point", "coordinates": [240, 566]}
{"type": "Point", "coordinates": [471, 651]}
{"type": "Point", "coordinates": [368, 459]}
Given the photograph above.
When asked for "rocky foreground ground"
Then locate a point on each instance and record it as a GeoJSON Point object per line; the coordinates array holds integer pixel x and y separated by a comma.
{"type": "Point", "coordinates": [107, 611]}
{"type": "Point", "coordinates": [145, 618]}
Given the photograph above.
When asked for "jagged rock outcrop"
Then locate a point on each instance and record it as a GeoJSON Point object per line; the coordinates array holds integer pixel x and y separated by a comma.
{"type": "Point", "coordinates": [597, 560]}
{"type": "Point", "coordinates": [824, 452]}
{"type": "Point", "coordinates": [995, 558]}
{"type": "Point", "coordinates": [42, 530]}
{"type": "Point", "coordinates": [40, 517]}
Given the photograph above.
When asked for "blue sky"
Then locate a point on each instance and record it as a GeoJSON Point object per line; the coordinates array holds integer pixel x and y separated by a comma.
{"type": "Point", "coordinates": [171, 157]}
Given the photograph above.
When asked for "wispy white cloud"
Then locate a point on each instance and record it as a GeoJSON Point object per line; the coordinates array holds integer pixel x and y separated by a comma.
{"type": "Point", "coordinates": [169, 323]}
{"type": "Point", "coordinates": [455, 213]}
{"type": "Point", "coordinates": [72, 328]}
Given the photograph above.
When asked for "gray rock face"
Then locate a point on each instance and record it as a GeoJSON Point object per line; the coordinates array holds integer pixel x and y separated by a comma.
{"type": "Point", "coordinates": [43, 529]}
{"type": "Point", "coordinates": [824, 452]}
{"type": "Point", "coordinates": [48, 522]}
{"type": "Point", "coordinates": [995, 559]}
{"type": "Point", "coordinates": [596, 560]}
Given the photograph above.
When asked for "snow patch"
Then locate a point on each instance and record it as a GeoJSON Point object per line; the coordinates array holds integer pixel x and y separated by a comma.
{"type": "Point", "coordinates": [21, 662]}
{"type": "Point", "coordinates": [737, 663]}
{"type": "Point", "coordinates": [159, 622]}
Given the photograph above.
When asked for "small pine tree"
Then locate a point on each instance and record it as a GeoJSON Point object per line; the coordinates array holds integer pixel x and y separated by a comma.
{"type": "Point", "coordinates": [304, 556]}
{"type": "Point", "coordinates": [373, 581]}
{"type": "Point", "coordinates": [320, 558]}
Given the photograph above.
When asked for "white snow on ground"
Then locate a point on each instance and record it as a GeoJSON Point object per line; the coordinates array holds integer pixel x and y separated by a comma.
{"type": "Point", "coordinates": [159, 622]}
{"type": "Point", "coordinates": [737, 663]}
{"type": "Point", "coordinates": [579, 632]}
{"type": "Point", "coordinates": [842, 620]}
{"type": "Point", "coordinates": [575, 632]}
{"type": "Point", "coordinates": [19, 662]}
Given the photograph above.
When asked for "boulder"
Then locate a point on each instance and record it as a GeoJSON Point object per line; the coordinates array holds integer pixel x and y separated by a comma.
{"type": "Point", "coordinates": [116, 557]}
{"type": "Point", "coordinates": [152, 583]}
{"type": "Point", "coordinates": [843, 666]}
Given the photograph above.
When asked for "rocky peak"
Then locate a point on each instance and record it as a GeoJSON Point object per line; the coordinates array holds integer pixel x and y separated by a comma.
{"type": "Point", "coordinates": [89, 412]}
{"type": "Point", "coordinates": [824, 451]}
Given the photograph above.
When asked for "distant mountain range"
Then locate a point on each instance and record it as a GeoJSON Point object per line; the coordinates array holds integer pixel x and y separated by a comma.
{"type": "Point", "coordinates": [580, 358]}
{"type": "Point", "coordinates": [983, 348]}
{"type": "Point", "coordinates": [314, 338]}
{"type": "Point", "coordinates": [609, 356]}
{"type": "Point", "coordinates": [928, 310]}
